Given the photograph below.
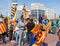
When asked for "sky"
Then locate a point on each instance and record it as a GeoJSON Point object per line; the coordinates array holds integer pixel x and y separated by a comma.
{"type": "Point", "coordinates": [5, 5]}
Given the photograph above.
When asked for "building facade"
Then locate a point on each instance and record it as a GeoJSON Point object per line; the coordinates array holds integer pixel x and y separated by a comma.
{"type": "Point", "coordinates": [50, 13]}
{"type": "Point", "coordinates": [38, 10]}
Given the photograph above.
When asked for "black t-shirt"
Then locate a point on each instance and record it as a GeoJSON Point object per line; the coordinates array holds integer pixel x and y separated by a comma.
{"type": "Point", "coordinates": [30, 26]}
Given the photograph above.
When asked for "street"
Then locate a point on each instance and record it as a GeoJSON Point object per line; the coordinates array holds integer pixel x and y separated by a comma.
{"type": "Point", "coordinates": [51, 40]}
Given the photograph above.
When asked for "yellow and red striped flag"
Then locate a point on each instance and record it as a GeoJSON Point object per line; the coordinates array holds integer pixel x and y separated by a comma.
{"type": "Point", "coordinates": [36, 29]}
{"type": "Point", "coordinates": [41, 37]}
{"type": "Point", "coordinates": [2, 28]}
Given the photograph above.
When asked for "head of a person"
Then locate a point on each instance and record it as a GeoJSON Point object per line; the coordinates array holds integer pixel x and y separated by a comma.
{"type": "Point", "coordinates": [40, 18]}
{"type": "Point", "coordinates": [22, 19]}
{"type": "Point", "coordinates": [28, 19]}
{"type": "Point", "coordinates": [47, 20]}
{"type": "Point", "coordinates": [31, 20]}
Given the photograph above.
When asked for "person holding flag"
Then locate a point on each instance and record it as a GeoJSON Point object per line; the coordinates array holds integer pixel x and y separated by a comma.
{"type": "Point", "coordinates": [21, 29]}
{"type": "Point", "coordinates": [30, 25]}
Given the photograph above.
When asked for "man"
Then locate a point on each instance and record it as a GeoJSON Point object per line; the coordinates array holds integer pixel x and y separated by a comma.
{"type": "Point", "coordinates": [41, 20]}
{"type": "Point", "coordinates": [30, 25]}
{"type": "Point", "coordinates": [47, 21]}
{"type": "Point", "coordinates": [54, 26]}
{"type": "Point", "coordinates": [21, 29]}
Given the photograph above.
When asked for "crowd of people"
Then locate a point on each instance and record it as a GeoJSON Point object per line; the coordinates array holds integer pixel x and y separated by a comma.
{"type": "Point", "coordinates": [21, 31]}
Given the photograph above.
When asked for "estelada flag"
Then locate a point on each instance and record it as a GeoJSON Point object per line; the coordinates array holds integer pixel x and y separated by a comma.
{"type": "Point", "coordinates": [24, 10]}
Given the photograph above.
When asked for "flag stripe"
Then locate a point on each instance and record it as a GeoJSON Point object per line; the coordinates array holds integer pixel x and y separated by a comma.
{"type": "Point", "coordinates": [2, 28]}
{"type": "Point", "coordinates": [36, 29]}
{"type": "Point", "coordinates": [0, 31]}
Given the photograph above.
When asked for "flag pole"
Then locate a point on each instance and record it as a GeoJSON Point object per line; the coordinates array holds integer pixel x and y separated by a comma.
{"type": "Point", "coordinates": [37, 15]}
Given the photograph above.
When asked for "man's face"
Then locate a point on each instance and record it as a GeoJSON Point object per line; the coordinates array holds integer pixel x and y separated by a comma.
{"type": "Point", "coordinates": [28, 20]}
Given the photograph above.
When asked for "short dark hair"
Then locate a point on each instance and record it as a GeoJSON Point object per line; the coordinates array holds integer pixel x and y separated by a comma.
{"type": "Point", "coordinates": [31, 20]}
{"type": "Point", "coordinates": [28, 19]}
{"type": "Point", "coordinates": [21, 17]}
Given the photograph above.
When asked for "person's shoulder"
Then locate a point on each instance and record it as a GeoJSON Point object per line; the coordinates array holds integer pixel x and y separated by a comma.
{"type": "Point", "coordinates": [28, 23]}
{"type": "Point", "coordinates": [33, 23]}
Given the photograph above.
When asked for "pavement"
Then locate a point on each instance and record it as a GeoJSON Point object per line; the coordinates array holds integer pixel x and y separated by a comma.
{"type": "Point", "coordinates": [51, 40]}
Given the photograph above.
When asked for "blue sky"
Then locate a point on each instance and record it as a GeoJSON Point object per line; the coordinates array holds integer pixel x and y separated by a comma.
{"type": "Point", "coordinates": [5, 5]}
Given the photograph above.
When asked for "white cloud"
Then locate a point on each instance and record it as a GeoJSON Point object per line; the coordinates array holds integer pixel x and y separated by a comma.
{"type": "Point", "coordinates": [19, 7]}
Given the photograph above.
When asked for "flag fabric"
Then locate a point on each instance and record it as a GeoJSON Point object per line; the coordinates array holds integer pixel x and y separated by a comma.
{"type": "Point", "coordinates": [9, 20]}
{"type": "Point", "coordinates": [2, 28]}
{"type": "Point", "coordinates": [41, 39]}
{"type": "Point", "coordinates": [36, 29]}
{"type": "Point", "coordinates": [41, 36]}
{"type": "Point", "coordinates": [15, 17]}
{"type": "Point", "coordinates": [24, 8]}
{"type": "Point", "coordinates": [12, 16]}
{"type": "Point", "coordinates": [49, 27]}
{"type": "Point", "coordinates": [25, 12]}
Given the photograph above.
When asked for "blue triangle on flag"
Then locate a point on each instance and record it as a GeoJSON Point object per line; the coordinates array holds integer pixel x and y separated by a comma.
{"type": "Point", "coordinates": [12, 16]}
